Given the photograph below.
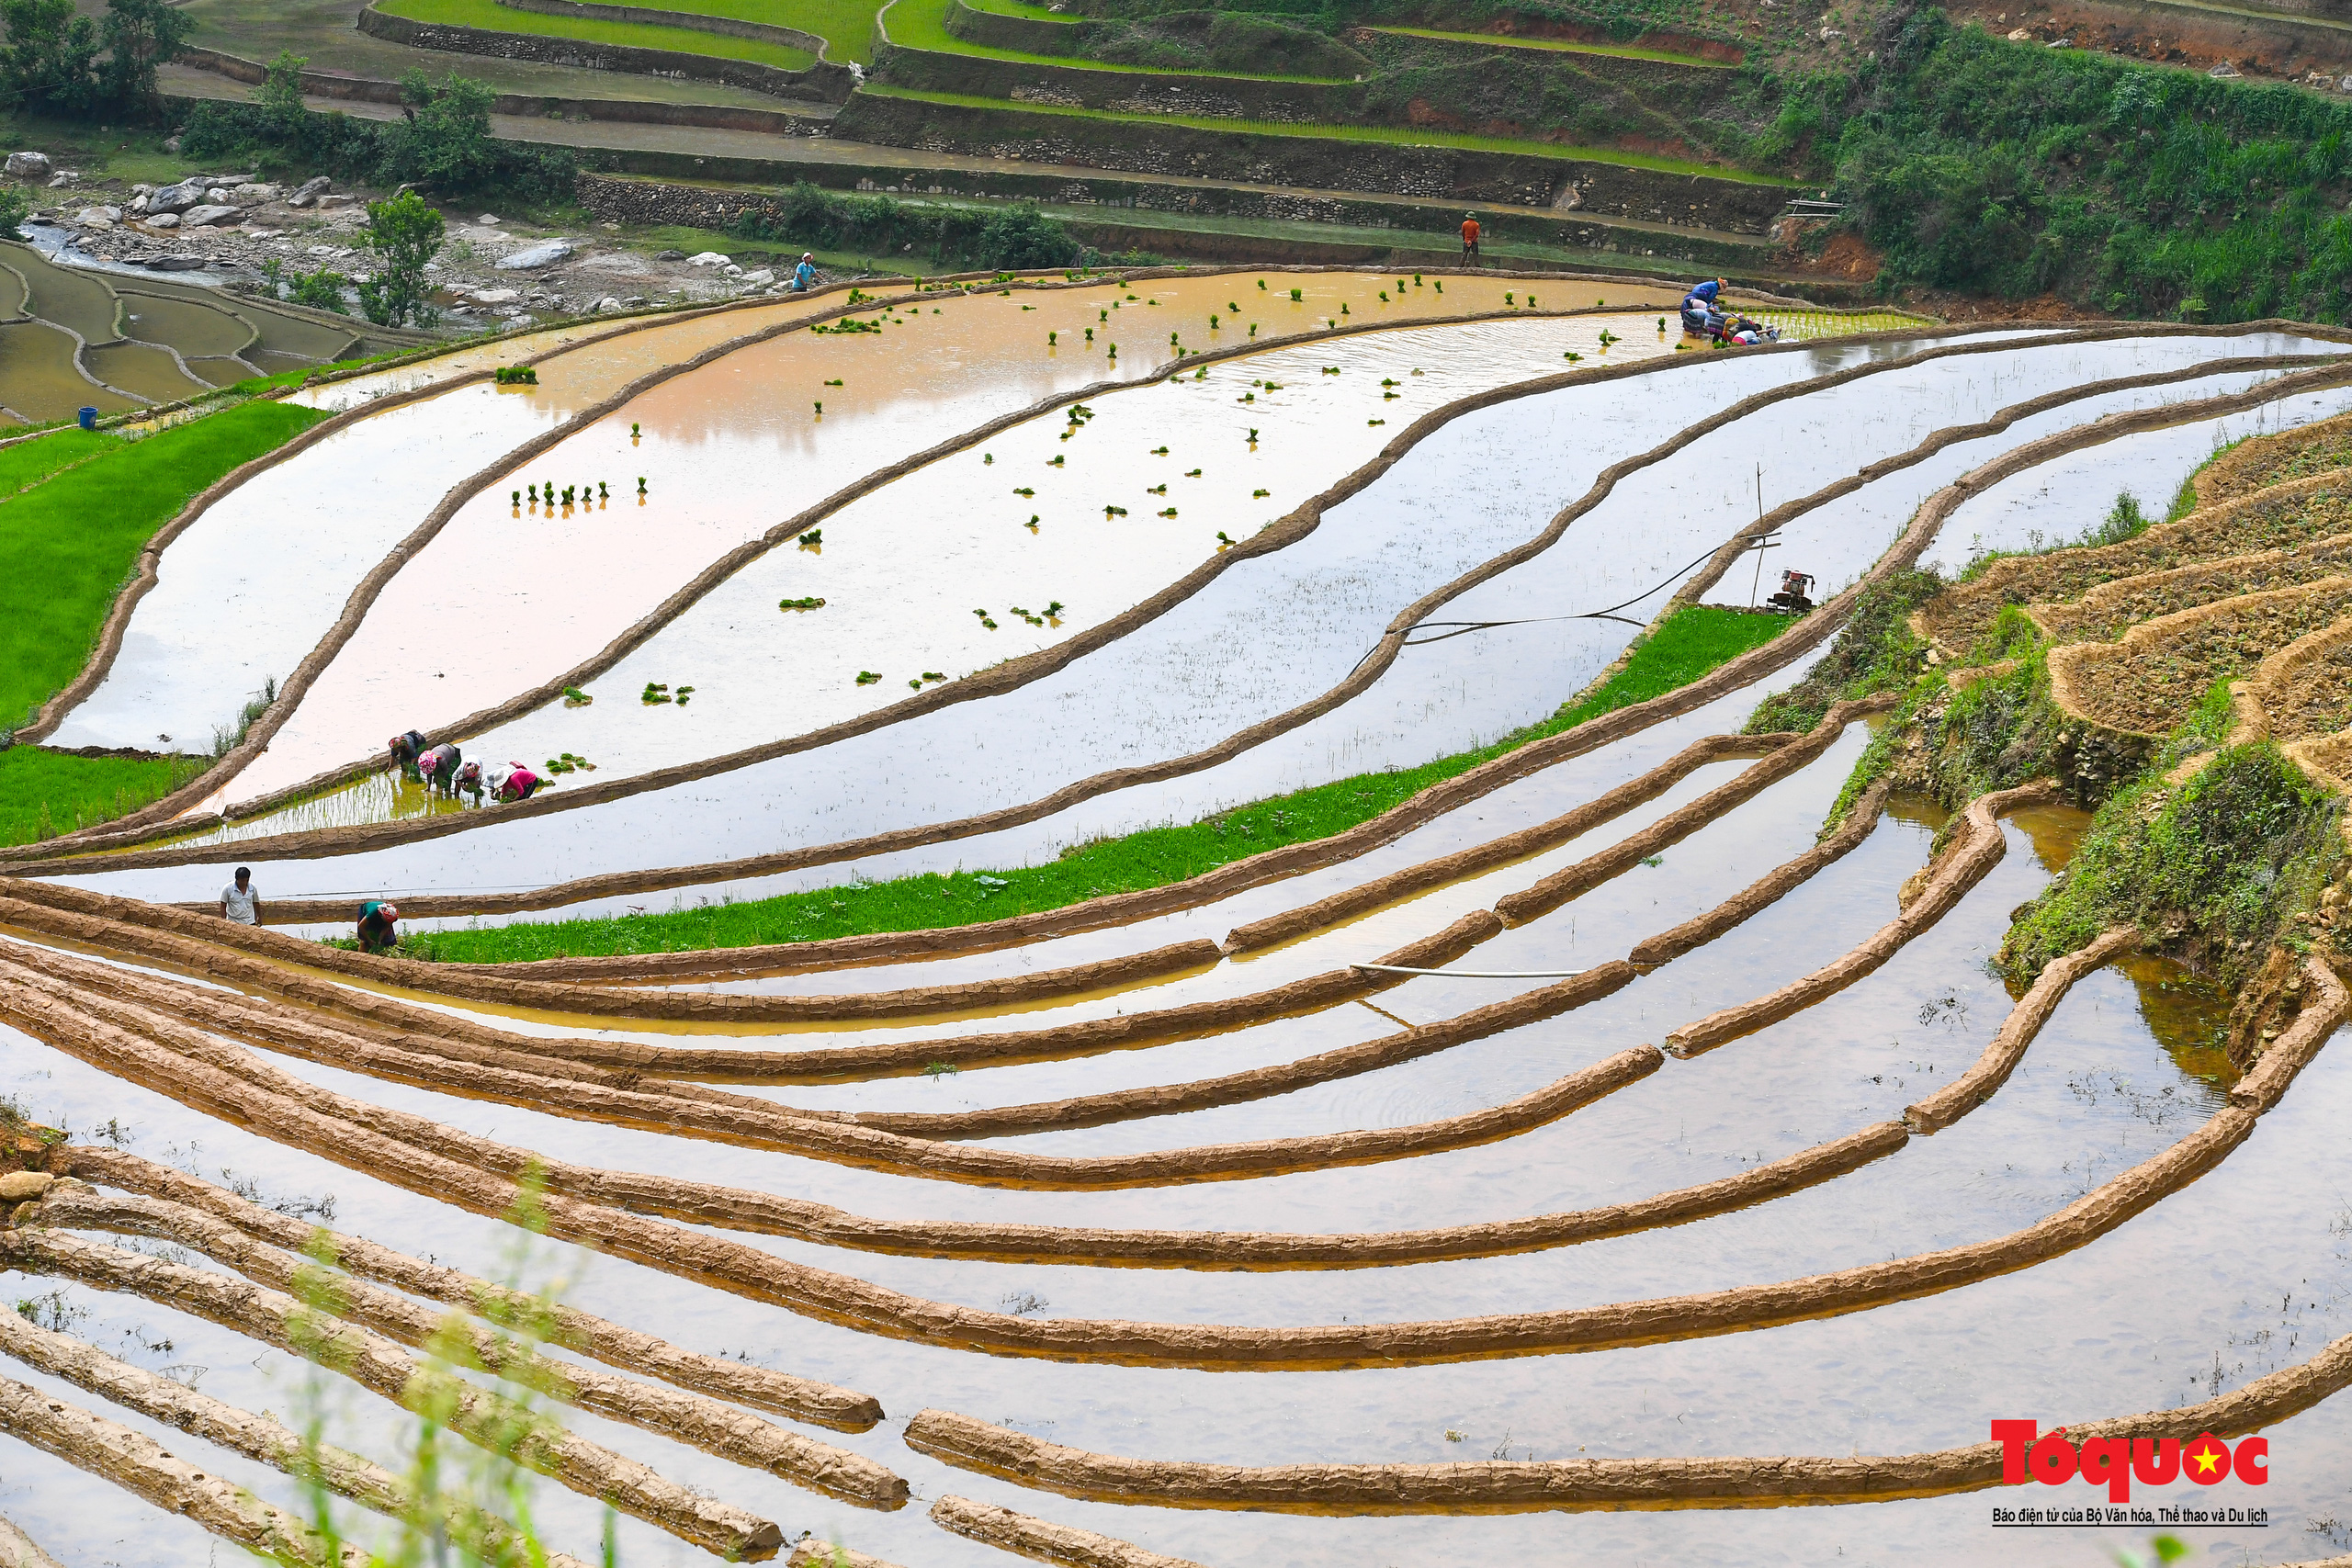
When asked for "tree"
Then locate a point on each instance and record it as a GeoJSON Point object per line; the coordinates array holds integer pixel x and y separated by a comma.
{"type": "Point", "coordinates": [15, 205]}
{"type": "Point", "coordinates": [443, 137]}
{"type": "Point", "coordinates": [280, 98]}
{"type": "Point", "coordinates": [139, 36]}
{"type": "Point", "coordinates": [49, 61]}
{"type": "Point", "coordinates": [404, 233]}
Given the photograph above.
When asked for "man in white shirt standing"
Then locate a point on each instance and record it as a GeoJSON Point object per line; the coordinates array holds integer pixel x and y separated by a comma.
{"type": "Point", "coordinates": [240, 900]}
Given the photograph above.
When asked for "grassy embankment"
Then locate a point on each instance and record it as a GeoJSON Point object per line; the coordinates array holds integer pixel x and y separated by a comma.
{"type": "Point", "coordinates": [1391, 135]}
{"type": "Point", "coordinates": [75, 510]}
{"type": "Point", "coordinates": [1688, 645]}
{"type": "Point", "coordinates": [846, 25]}
{"type": "Point", "coordinates": [491, 16]}
{"type": "Point", "coordinates": [922, 24]}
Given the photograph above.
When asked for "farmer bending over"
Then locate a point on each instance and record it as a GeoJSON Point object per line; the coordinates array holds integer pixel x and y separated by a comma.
{"type": "Point", "coordinates": [519, 783]}
{"type": "Point", "coordinates": [376, 933]}
{"type": "Point", "coordinates": [405, 749]}
{"type": "Point", "coordinates": [240, 900]}
{"type": "Point", "coordinates": [439, 767]}
{"type": "Point", "coordinates": [467, 781]}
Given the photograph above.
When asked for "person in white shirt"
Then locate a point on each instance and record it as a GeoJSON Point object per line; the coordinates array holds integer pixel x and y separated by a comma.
{"type": "Point", "coordinates": [240, 900]}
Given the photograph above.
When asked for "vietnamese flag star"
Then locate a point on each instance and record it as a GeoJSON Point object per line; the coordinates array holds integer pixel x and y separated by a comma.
{"type": "Point", "coordinates": [2207, 1459]}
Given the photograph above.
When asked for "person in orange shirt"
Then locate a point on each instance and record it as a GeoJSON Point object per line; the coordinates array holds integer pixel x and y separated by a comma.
{"type": "Point", "coordinates": [1469, 238]}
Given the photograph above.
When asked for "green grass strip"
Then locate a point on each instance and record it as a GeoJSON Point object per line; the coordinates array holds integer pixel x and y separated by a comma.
{"type": "Point", "coordinates": [490, 16]}
{"type": "Point", "coordinates": [30, 462]}
{"type": "Point", "coordinates": [1693, 642]}
{"type": "Point", "coordinates": [1395, 135]}
{"type": "Point", "coordinates": [1562, 46]}
{"type": "Point", "coordinates": [44, 794]}
{"type": "Point", "coordinates": [1027, 12]}
{"type": "Point", "coordinates": [69, 544]}
{"type": "Point", "coordinates": [846, 25]}
{"type": "Point", "coordinates": [922, 24]}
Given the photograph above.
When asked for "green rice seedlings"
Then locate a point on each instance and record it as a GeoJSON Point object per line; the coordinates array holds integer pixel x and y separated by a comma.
{"type": "Point", "coordinates": [1246, 398]}
{"type": "Point", "coordinates": [1400, 288]}
{"type": "Point", "coordinates": [1201, 374]}
{"type": "Point", "coordinates": [1376, 421]}
{"type": "Point", "coordinates": [518, 500]}
{"type": "Point", "coordinates": [1439, 284]}
{"type": "Point", "coordinates": [1331, 323]}
{"type": "Point", "coordinates": [820, 408]}
{"type": "Point", "coordinates": [917, 685]}
{"type": "Point", "coordinates": [933, 677]}
{"type": "Point", "coordinates": [1253, 329]}
{"type": "Point", "coordinates": [1115, 510]}
{"type": "Point", "coordinates": [867, 678]}
{"type": "Point", "coordinates": [1297, 293]}
{"type": "Point", "coordinates": [604, 491]}
{"type": "Point", "coordinates": [1024, 489]}
{"type": "Point", "coordinates": [1102, 316]}
{"type": "Point", "coordinates": [573, 697]}
{"type": "Point", "coordinates": [835, 382]}
{"type": "Point", "coordinates": [1598, 303]}
{"type": "Point", "coordinates": [811, 602]}
{"type": "Point", "coordinates": [1171, 337]}
{"type": "Point", "coordinates": [515, 376]}
{"type": "Point", "coordinates": [986, 619]}
{"type": "Point", "coordinates": [1171, 512]}
{"type": "Point", "coordinates": [1212, 324]}
{"type": "Point", "coordinates": [1343, 309]}
{"type": "Point", "coordinates": [1661, 326]}
{"type": "Point", "coordinates": [535, 495]}
{"type": "Point", "coordinates": [656, 692]}
{"type": "Point", "coordinates": [1191, 473]}
{"type": "Point", "coordinates": [1261, 283]}
{"type": "Point", "coordinates": [1159, 451]}
{"type": "Point", "coordinates": [1055, 461]}
{"type": "Point", "coordinates": [1159, 489]}
{"type": "Point", "coordinates": [1224, 541]}
{"type": "Point", "coordinates": [567, 495]}
{"type": "Point", "coordinates": [1260, 494]}
{"type": "Point", "coordinates": [1253, 436]}
{"type": "Point", "coordinates": [813, 540]}
{"type": "Point", "coordinates": [987, 457]}
{"type": "Point", "coordinates": [1531, 301]}
{"type": "Point", "coordinates": [1114, 351]}
{"type": "Point", "coordinates": [1054, 608]}
{"type": "Point", "coordinates": [1388, 380]}
{"type": "Point", "coordinates": [632, 430]}
{"type": "Point", "coordinates": [1034, 620]}
{"type": "Point", "coordinates": [640, 487]}
{"type": "Point", "coordinates": [1052, 339]}
{"type": "Point", "coordinates": [1330, 371]}
{"type": "Point", "coordinates": [1416, 280]}
{"type": "Point", "coordinates": [1032, 524]}
{"type": "Point", "coordinates": [684, 693]}
{"type": "Point", "coordinates": [1507, 297]}
{"type": "Point", "coordinates": [1384, 297]}
{"type": "Point", "coordinates": [1572, 357]}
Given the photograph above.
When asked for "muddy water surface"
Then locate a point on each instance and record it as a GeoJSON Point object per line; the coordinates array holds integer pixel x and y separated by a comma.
{"type": "Point", "coordinates": [732, 449]}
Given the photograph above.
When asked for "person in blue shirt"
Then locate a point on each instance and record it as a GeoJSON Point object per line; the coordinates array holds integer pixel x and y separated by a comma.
{"type": "Point", "coordinates": [1701, 311]}
{"type": "Point", "coordinates": [804, 277]}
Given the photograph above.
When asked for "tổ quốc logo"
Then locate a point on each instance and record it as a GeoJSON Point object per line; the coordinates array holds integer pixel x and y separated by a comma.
{"type": "Point", "coordinates": [2054, 1459]}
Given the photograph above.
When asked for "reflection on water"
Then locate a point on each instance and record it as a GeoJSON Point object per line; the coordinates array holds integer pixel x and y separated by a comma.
{"type": "Point", "coordinates": [2190, 1016]}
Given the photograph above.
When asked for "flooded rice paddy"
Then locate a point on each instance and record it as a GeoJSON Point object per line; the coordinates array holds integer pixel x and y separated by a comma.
{"type": "Point", "coordinates": [2236, 1275]}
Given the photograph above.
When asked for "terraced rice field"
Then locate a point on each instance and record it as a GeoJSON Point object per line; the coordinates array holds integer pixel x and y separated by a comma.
{"type": "Point", "coordinates": [1584, 1160]}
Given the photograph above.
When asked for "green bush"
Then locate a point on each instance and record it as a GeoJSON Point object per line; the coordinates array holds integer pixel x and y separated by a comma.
{"type": "Point", "coordinates": [442, 140]}
{"type": "Point", "coordinates": [2219, 864]}
{"type": "Point", "coordinates": [1018, 236]}
{"type": "Point", "coordinates": [1990, 167]}
{"type": "Point", "coordinates": [80, 67]}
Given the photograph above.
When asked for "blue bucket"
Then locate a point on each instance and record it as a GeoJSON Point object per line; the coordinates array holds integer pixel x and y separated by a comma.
{"type": "Point", "coordinates": [89, 418]}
